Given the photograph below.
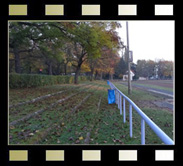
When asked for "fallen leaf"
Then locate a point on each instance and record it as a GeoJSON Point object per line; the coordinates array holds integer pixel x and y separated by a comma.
{"type": "Point", "coordinates": [31, 134]}
{"type": "Point", "coordinates": [115, 124]}
{"type": "Point", "coordinates": [117, 140]}
{"type": "Point", "coordinates": [120, 141]}
{"type": "Point", "coordinates": [12, 127]}
{"type": "Point", "coordinates": [77, 142]}
{"type": "Point", "coordinates": [57, 133]}
{"type": "Point", "coordinates": [80, 138]}
{"type": "Point", "coordinates": [76, 133]}
{"type": "Point", "coordinates": [106, 123]}
{"type": "Point", "coordinates": [167, 125]}
{"type": "Point", "coordinates": [71, 139]}
{"type": "Point", "coordinates": [123, 136]}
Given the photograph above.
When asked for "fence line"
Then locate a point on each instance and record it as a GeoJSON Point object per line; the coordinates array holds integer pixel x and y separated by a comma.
{"type": "Point", "coordinates": [144, 118]}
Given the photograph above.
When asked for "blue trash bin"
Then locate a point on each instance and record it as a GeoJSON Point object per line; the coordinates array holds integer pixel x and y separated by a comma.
{"type": "Point", "coordinates": [111, 96]}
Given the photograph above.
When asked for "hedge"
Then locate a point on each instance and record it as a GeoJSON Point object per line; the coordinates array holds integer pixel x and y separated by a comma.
{"type": "Point", "coordinates": [34, 80]}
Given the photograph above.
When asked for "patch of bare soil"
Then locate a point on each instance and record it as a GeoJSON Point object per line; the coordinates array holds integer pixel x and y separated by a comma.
{"type": "Point", "coordinates": [145, 104]}
{"type": "Point", "coordinates": [165, 104]}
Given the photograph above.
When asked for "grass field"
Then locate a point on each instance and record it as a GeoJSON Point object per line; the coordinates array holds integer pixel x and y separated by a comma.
{"type": "Point", "coordinates": [80, 114]}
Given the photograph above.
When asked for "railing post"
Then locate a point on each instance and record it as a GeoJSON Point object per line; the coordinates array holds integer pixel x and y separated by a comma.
{"type": "Point", "coordinates": [124, 111]}
{"type": "Point", "coordinates": [118, 100]}
{"type": "Point", "coordinates": [117, 97]}
{"type": "Point", "coordinates": [130, 114]}
{"type": "Point", "coordinates": [142, 131]}
{"type": "Point", "coordinates": [120, 105]}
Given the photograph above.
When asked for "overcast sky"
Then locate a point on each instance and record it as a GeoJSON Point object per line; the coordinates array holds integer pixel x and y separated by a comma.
{"type": "Point", "coordinates": [149, 39]}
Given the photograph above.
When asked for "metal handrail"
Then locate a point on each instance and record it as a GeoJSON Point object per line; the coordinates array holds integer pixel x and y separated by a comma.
{"type": "Point", "coordinates": [144, 118]}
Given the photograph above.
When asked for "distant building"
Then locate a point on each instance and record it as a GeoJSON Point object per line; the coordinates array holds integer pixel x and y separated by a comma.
{"type": "Point", "coordinates": [142, 78]}
{"type": "Point", "coordinates": [125, 76]}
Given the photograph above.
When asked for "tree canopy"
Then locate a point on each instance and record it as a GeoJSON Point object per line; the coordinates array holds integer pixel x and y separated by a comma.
{"type": "Point", "coordinates": [57, 46]}
{"type": "Point", "coordinates": [80, 47]}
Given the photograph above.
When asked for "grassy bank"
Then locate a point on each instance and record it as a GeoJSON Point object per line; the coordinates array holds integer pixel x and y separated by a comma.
{"type": "Point", "coordinates": [85, 115]}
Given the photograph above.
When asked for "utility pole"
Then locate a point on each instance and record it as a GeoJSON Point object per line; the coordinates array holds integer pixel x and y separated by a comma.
{"type": "Point", "coordinates": [156, 71]}
{"type": "Point", "coordinates": [129, 66]}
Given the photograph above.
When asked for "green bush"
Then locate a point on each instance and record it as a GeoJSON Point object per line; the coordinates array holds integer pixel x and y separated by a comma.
{"type": "Point", "coordinates": [120, 76]}
{"type": "Point", "coordinates": [60, 79]}
{"type": "Point", "coordinates": [71, 80]}
{"type": "Point", "coordinates": [84, 78]}
{"type": "Point", "coordinates": [34, 80]}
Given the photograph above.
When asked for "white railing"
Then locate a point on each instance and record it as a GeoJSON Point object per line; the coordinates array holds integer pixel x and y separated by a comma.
{"type": "Point", "coordinates": [144, 118]}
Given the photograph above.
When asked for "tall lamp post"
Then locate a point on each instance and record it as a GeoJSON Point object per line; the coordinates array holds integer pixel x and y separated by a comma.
{"type": "Point", "coordinates": [129, 66]}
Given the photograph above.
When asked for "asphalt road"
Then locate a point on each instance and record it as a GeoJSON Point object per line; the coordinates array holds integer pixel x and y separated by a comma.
{"type": "Point", "coordinates": [155, 90]}
{"type": "Point", "coordinates": [150, 89]}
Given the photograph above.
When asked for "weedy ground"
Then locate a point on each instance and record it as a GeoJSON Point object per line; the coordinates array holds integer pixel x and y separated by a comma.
{"type": "Point", "coordinates": [84, 117]}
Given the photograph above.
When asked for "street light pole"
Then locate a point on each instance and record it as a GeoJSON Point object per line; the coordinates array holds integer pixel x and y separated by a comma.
{"type": "Point", "coordinates": [129, 66]}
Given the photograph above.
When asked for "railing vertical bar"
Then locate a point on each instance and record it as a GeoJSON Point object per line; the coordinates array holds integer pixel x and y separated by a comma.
{"type": "Point", "coordinates": [124, 111]}
{"type": "Point", "coordinates": [142, 131]}
{"type": "Point", "coordinates": [120, 105]}
{"type": "Point", "coordinates": [118, 100]}
{"type": "Point", "coordinates": [116, 97]}
{"type": "Point", "coordinates": [130, 114]}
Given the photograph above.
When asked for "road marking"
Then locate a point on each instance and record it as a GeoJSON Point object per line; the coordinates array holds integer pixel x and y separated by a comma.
{"type": "Point", "coordinates": [160, 93]}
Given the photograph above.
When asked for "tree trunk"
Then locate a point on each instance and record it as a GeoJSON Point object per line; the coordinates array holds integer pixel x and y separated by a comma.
{"type": "Point", "coordinates": [96, 74]}
{"type": "Point", "coordinates": [17, 61]}
{"type": "Point", "coordinates": [111, 76]}
{"type": "Point", "coordinates": [65, 69]}
{"type": "Point", "coordinates": [50, 69]}
{"type": "Point", "coordinates": [76, 75]}
{"type": "Point", "coordinates": [91, 76]}
{"type": "Point", "coordinates": [101, 75]}
{"type": "Point", "coordinates": [58, 69]}
{"type": "Point", "coordinates": [80, 61]}
{"type": "Point", "coordinates": [30, 70]}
